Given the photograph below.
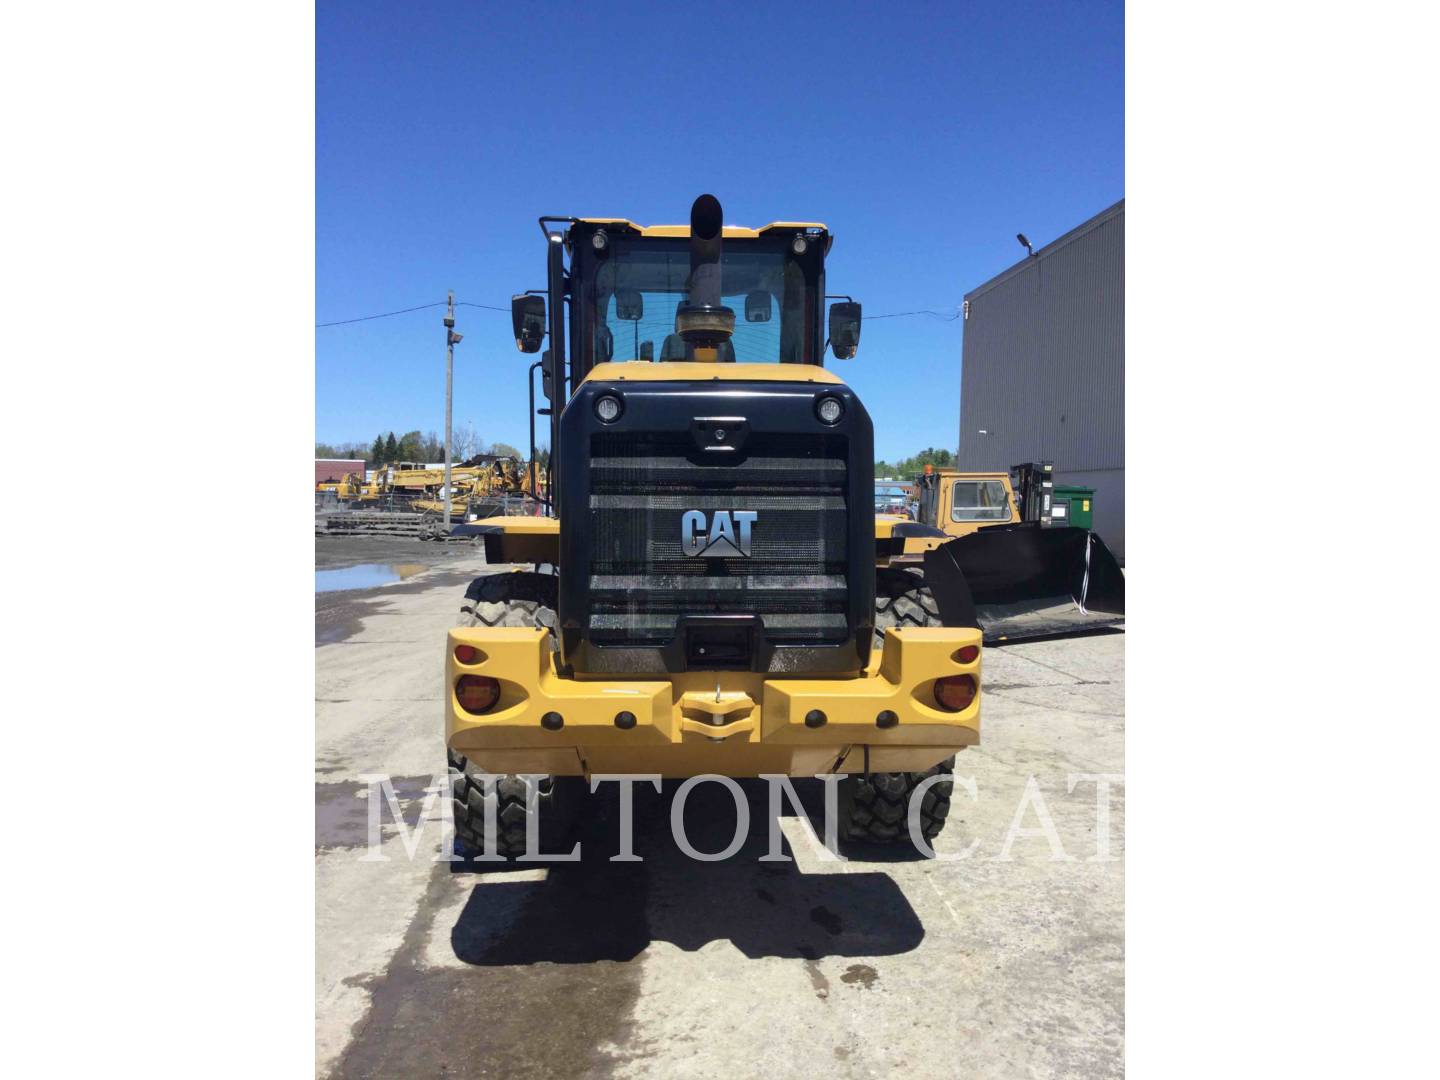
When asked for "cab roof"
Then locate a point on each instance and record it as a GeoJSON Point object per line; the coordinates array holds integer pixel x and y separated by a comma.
{"type": "Point", "coordinates": [729, 232]}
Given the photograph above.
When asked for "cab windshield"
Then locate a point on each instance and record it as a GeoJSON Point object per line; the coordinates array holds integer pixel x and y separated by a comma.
{"type": "Point", "coordinates": [637, 286]}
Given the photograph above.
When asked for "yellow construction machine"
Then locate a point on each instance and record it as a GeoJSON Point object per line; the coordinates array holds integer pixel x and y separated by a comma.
{"type": "Point", "coordinates": [355, 488]}
{"type": "Point", "coordinates": [478, 485]}
{"type": "Point", "coordinates": [704, 597]}
{"type": "Point", "coordinates": [1028, 557]}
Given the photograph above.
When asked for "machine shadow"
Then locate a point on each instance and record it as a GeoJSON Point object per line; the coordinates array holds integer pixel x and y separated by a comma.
{"type": "Point", "coordinates": [594, 909]}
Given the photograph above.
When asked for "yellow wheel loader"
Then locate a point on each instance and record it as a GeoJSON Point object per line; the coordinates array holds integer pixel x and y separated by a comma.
{"type": "Point", "coordinates": [1028, 560]}
{"type": "Point", "coordinates": [705, 596]}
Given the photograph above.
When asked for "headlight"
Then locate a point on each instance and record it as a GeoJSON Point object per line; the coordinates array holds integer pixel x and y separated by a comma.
{"type": "Point", "coordinates": [829, 409]}
{"type": "Point", "coordinates": [607, 408]}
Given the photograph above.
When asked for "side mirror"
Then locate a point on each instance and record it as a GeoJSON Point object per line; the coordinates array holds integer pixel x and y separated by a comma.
{"type": "Point", "coordinates": [757, 306]}
{"type": "Point", "coordinates": [547, 377]}
{"type": "Point", "coordinates": [647, 351]}
{"type": "Point", "coordinates": [629, 305]}
{"type": "Point", "coordinates": [604, 344]}
{"type": "Point", "coordinates": [844, 329]}
{"type": "Point", "coordinates": [527, 318]}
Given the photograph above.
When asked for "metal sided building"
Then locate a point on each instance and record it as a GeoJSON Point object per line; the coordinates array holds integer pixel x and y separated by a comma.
{"type": "Point", "coordinates": [1043, 375]}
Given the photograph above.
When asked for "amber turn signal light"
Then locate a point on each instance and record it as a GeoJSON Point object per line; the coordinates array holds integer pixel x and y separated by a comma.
{"type": "Point", "coordinates": [477, 693]}
{"type": "Point", "coordinates": [955, 692]}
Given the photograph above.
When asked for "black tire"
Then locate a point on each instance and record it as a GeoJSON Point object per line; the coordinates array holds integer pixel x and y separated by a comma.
{"type": "Point", "coordinates": [903, 599]}
{"type": "Point", "coordinates": [523, 598]}
{"type": "Point", "coordinates": [875, 807]}
{"type": "Point", "coordinates": [556, 805]}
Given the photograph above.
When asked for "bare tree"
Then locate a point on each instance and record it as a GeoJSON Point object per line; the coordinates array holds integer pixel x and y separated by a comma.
{"type": "Point", "coordinates": [464, 442]}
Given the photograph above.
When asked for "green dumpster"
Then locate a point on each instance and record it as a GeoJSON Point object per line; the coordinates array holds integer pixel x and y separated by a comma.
{"type": "Point", "coordinates": [1073, 506]}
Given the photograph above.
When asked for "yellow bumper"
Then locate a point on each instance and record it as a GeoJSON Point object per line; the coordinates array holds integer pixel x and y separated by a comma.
{"type": "Point", "coordinates": [732, 723]}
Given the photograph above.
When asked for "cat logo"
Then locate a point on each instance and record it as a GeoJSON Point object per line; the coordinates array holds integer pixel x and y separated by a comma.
{"type": "Point", "coordinates": [722, 539]}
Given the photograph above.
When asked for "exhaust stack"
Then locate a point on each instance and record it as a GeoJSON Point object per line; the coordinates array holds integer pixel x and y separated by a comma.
{"type": "Point", "coordinates": [703, 321]}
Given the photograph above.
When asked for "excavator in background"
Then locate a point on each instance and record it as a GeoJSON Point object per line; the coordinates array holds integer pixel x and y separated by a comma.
{"type": "Point", "coordinates": [354, 487]}
{"type": "Point", "coordinates": [1026, 551]}
{"type": "Point", "coordinates": [480, 486]}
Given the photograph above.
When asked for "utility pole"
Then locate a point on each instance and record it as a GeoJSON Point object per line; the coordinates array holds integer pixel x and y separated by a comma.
{"type": "Point", "coordinates": [451, 340]}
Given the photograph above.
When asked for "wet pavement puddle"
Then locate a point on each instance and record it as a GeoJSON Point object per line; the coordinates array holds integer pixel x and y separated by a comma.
{"type": "Point", "coordinates": [364, 576]}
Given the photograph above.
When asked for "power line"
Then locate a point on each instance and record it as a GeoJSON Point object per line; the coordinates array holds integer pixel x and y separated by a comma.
{"type": "Point", "coordinates": [382, 315]}
{"type": "Point", "coordinates": [901, 314]}
{"type": "Point", "coordinates": [491, 307]}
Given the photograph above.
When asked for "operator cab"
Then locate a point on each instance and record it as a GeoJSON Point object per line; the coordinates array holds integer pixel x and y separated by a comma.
{"type": "Point", "coordinates": [699, 293]}
{"type": "Point", "coordinates": [639, 299]}
{"type": "Point", "coordinates": [706, 293]}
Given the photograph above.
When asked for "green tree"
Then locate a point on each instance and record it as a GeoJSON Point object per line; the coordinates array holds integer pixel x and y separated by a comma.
{"type": "Point", "coordinates": [506, 450]}
{"type": "Point", "coordinates": [410, 447]}
{"type": "Point", "coordinates": [423, 448]}
{"type": "Point", "coordinates": [907, 468]}
{"type": "Point", "coordinates": [377, 452]}
{"type": "Point", "coordinates": [325, 450]}
{"type": "Point", "coordinates": [392, 449]}
{"type": "Point", "coordinates": [929, 456]}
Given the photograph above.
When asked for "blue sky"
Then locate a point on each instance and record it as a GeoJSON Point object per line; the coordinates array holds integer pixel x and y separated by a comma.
{"type": "Point", "coordinates": [925, 136]}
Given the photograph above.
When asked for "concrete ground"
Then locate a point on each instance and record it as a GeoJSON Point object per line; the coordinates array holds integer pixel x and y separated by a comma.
{"type": "Point", "coordinates": [1008, 962]}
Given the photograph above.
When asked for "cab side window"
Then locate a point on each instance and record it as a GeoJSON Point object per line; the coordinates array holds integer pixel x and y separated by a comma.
{"type": "Point", "coordinates": [979, 500]}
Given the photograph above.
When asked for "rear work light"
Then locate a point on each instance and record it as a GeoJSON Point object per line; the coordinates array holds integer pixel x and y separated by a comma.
{"type": "Point", "coordinates": [477, 693]}
{"type": "Point", "coordinates": [467, 654]}
{"type": "Point", "coordinates": [955, 692]}
{"type": "Point", "coordinates": [967, 654]}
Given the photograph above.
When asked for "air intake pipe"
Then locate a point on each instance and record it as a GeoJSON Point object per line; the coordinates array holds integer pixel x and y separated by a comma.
{"type": "Point", "coordinates": [703, 321]}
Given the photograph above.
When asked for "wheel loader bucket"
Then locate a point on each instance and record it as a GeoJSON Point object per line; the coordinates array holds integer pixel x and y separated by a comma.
{"type": "Point", "coordinates": [1023, 581]}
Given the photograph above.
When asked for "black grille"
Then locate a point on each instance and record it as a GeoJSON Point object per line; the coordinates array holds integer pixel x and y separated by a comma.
{"type": "Point", "coordinates": [641, 581]}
